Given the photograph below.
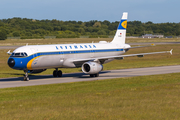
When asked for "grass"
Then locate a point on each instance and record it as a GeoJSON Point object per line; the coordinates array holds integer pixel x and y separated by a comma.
{"type": "Point", "coordinates": [51, 41]}
{"type": "Point", "coordinates": [145, 97]}
{"type": "Point", "coordinates": [22, 42]}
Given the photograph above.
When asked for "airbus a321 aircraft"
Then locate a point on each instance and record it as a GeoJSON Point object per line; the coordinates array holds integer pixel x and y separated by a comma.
{"type": "Point", "coordinates": [88, 56]}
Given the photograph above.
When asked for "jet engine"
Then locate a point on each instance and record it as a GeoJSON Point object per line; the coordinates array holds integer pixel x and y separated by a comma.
{"type": "Point", "coordinates": [92, 67]}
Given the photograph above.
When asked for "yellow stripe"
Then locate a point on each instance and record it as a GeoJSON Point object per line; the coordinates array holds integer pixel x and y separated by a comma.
{"type": "Point", "coordinates": [29, 64]}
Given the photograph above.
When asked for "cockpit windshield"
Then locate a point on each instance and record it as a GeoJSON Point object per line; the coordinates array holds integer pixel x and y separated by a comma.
{"type": "Point", "coordinates": [23, 54]}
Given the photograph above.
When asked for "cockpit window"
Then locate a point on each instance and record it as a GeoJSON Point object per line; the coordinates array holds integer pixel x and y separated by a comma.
{"type": "Point", "coordinates": [12, 54]}
{"type": "Point", "coordinates": [17, 54]}
{"type": "Point", "coordinates": [23, 54]}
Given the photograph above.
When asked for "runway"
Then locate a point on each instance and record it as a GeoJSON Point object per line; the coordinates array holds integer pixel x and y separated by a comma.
{"type": "Point", "coordinates": [78, 77]}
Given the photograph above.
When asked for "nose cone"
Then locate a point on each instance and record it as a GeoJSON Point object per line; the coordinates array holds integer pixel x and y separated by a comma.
{"type": "Point", "coordinates": [11, 62]}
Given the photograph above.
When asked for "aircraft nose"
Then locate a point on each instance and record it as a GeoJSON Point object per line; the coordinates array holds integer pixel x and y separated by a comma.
{"type": "Point", "coordinates": [11, 62]}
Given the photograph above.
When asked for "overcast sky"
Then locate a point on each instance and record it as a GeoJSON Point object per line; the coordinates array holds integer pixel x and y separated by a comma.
{"type": "Point", "coordinates": [157, 11]}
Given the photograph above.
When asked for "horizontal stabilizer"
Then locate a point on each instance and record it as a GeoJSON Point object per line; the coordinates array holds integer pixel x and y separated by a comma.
{"type": "Point", "coordinates": [140, 46]}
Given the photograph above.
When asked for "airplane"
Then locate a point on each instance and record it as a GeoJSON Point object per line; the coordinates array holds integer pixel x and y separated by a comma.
{"type": "Point", "coordinates": [89, 56]}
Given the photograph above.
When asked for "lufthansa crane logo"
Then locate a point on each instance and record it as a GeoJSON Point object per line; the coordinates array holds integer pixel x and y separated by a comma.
{"type": "Point", "coordinates": [124, 24]}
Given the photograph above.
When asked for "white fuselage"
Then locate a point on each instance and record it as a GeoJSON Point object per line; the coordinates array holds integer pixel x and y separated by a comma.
{"type": "Point", "coordinates": [63, 55]}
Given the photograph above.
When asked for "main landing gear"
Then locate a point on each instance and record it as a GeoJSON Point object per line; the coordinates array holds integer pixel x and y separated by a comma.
{"type": "Point", "coordinates": [94, 75]}
{"type": "Point", "coordinates": [26, 77]}
{"type": "Point", "coordinates": [57, 73]}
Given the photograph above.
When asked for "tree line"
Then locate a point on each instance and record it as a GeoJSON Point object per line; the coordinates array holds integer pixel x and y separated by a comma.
{"type": "Point", "coordinates": [29, 28]}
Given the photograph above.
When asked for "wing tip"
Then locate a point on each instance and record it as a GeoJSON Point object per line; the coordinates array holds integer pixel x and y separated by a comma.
{"type": "Point", "coordinates": [171, 51]}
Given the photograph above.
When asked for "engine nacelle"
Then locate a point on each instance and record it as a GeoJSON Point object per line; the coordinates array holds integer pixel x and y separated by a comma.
{"type": "Point", "coordinates": [36, 71]}
{"type": "Point", "coordinates": [91, 67]}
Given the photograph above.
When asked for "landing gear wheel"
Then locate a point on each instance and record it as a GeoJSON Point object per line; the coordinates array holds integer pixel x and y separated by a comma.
{"type": "Point", "coordinates": [91, 75]}
{"type": "Point", "coordinates": [59, 73]}
{"type": "Point", "coordinates": [55, 73]}
{"type": "Point", "coordinates": [26, 78]}
{"type": "Point", "coordinates": [96, 75]}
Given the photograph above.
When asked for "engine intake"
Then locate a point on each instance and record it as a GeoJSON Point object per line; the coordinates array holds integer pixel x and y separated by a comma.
{"type": "Point", "coordinates": [91, 67]}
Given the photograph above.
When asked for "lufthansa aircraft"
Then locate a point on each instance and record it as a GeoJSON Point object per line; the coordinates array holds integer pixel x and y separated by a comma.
{"type": "Point", "coordinates": [88, 56]}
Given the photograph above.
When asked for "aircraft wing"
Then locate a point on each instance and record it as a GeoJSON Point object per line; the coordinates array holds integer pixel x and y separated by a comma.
{"type": "Point", "coordinates": [79, 62]}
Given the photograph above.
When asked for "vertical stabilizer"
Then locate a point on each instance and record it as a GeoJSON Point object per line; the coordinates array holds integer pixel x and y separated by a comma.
{"type": "Point", "coordinates": [120, 35]}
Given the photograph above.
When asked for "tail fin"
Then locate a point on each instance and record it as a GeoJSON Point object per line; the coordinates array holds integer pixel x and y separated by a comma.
{"type": "Point", "coordinates": [120, 35]}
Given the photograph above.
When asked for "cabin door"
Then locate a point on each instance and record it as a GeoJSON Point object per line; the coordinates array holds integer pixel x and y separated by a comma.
{"type": "Point", "coordinates": [92, 52]}
{"type": "Point", "coordinates": [61, 58]}
{"type": "Point", "coordinates": [34, 52]}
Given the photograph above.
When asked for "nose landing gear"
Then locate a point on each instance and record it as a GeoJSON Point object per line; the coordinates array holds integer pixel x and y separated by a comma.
{"type": "Point", "coordinates": [57, 73]}
{"type": "Point", "coordinates": [26, 77]}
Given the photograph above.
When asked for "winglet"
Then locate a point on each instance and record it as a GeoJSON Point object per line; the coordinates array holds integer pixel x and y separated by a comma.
{"type": "Point", "coordinates": [171, 51]}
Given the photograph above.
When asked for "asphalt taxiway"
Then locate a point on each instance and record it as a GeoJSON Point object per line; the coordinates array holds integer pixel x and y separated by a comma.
{"type": "Point", "coordinates": [78, 77]}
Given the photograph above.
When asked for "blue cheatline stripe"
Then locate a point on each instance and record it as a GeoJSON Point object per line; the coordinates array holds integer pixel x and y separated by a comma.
{"type": "Point", "coordinates": [80, 51]}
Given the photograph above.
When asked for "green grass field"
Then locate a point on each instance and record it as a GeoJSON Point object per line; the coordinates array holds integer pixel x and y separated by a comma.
{"type": "Point", "coordinates": [146, 98]}
{"type": "Point", "coordinates": [22, 42]}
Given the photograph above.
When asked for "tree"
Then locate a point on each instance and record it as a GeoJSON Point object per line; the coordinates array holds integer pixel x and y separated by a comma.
{"type": "Point", "coordinates": [28, 34]}
{"type": "Point", "coordinates": [16, 34]}
{"type": "Point", "coordinates": [1, 23]}
{"type": "Point", "coordinates": [112, 32]}
{"type": "Point", "coordinates": [27, 27]}
{"type": "Point", "coordinates": [97, 24]}
{"type": "Point", "coordinates": [101, 32]}
{"type": "Point", "coordinates": [105, 22]}
{"type": "Point", "coordinates": [3, 35]}
{"type": "Point", "coordinates": [81, 31]}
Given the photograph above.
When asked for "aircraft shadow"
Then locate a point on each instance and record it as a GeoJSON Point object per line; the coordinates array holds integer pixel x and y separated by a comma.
{"type": "Point", "coordinates": [36, 77]}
